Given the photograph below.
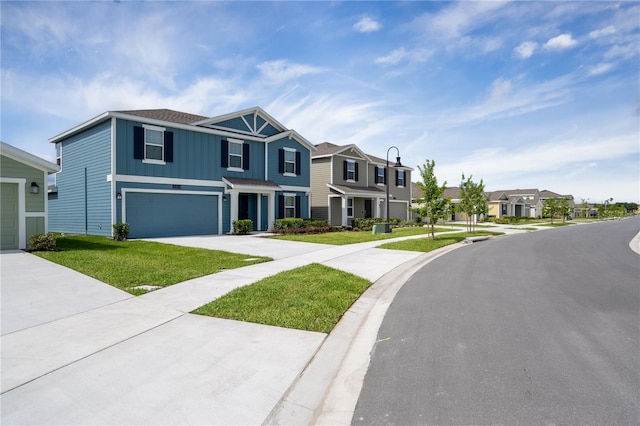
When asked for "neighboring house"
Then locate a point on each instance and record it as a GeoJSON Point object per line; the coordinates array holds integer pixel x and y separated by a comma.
{"type": "Point", "coordinates": [545, 194]}
{"type": "Point", "coordinates": [23, 193]}
{"type": "Point", "coordinates": [170, 173]}
{"type": "Point", "coordinates": [348, 184]}
{"type": "Point", "coordinates": [515, 202]}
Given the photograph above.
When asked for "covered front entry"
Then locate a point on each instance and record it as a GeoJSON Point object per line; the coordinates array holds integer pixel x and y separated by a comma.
{"type": "Point", "coordinates": [248, 208]}
{"type": "Point", "coordinates": [251, 199]}
{"type": "Point", "coordinates": [170, 214]}
{"type": "Point", "coordinates": [347, 202]}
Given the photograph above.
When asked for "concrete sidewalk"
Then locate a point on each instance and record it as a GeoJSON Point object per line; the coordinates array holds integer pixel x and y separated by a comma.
{"type": "Point", "coordinates": [85, 353]}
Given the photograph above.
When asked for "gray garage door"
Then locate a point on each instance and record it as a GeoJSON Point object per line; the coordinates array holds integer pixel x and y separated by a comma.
{"type": "Point", "coordinates": [169, 215]}
{"type": "Point", "coordinates": [9, 216]}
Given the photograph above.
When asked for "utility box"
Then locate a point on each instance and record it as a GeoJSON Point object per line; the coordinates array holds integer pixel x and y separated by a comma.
{"type": "Point", "coordinates": [381, 228]}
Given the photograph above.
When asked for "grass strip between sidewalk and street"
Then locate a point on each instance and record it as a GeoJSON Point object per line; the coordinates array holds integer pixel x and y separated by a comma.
{"type": "Point", "coordinates": [427, 244]}
{"type": "Point", "coordinates": [313, 298]}
{"type": "Point", "coordinates": [340, 238]}
{"type": "Point", "coordinates": [130, 264]}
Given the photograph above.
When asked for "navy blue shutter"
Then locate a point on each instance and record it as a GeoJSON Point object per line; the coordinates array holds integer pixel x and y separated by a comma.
{"type": "Point", "coordinates": [245, 156]}
{"type": "Point", "coordinates": [385, 176]}
{"type": "Point", "coordinates": [138, 143]}
{"type": "Point", "coordinates": [397, 174]}
{"type": "Point", "coordinates": [281, 160]}
{"type": "Point", "coordinates": [168, 147]}
{"type": "Point", "coordinates": [280, 211]}
{"type": "Point", "coordinates": [298, 204]}
{"type": "Point", "coordinates": [298, 160]}
{"type": "Point", "coordinates": [344, 169]}
{"type": "Point", "coordinates": [224, 154]}
{"type": "Point", "coordinates": [356, 173]}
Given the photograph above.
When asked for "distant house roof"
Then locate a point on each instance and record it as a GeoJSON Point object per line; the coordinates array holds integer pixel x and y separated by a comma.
{"type": "Point", "coordinates": [325, 149]}
{"type": "Point", "coordinates": [27, 158]}
{"type": "Point", "coordinates": [166, 115]}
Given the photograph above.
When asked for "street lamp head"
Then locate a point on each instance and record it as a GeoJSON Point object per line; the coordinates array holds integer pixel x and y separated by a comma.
{"type": "Point", "coordinates": [398, 163]}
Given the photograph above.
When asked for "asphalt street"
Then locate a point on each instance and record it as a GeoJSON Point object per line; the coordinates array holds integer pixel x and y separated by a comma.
{"type": "Point", "coordinates": [539, 328]}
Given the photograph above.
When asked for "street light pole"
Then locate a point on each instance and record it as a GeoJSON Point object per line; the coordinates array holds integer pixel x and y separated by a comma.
{"type": "Point", "coordinates": [398, 164]}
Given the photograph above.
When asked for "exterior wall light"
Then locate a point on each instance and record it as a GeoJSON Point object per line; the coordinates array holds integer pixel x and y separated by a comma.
{"type": "Point", "coordinates": [35, 189]}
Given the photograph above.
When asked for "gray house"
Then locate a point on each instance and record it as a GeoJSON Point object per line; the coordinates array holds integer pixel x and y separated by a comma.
{"type": "Point", "coordinates": [23, 193]}
{"type": "Point", "coordinates": [347, 183]}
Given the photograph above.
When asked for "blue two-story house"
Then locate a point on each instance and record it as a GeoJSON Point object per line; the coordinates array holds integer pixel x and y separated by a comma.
{"type": "Point", "coordinates": [170, 173]}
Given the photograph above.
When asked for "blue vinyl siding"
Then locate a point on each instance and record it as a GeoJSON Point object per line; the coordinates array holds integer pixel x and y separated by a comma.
{"type": "Point", "coordinates": [304, 179]}
{"type": "Point", "coordinates": [195, 156]}
{"type": "Point", "coordinates": [83, 201]}
{"type": "Point", "coordinates": [264, 214]}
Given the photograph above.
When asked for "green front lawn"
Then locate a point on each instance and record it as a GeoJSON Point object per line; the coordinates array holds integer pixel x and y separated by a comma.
{"type": "Point", "coordinates": [129, 264]}
{"type": "Point", "coordinates": [352, 237]}
{"type": "Point", "coordinates": [427, 244]}
{"type": "Point", "coordinates": [312, 298]}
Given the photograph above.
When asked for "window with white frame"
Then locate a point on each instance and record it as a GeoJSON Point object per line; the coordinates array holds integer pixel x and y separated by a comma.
{"type": "Point", "coordinates": [153, 144]}
{"type": "Point", "coordinates": [59, 155]}
{"type": "Point", "coordinates": [290, 161]}
{"type": "Point", "coordinates": [349, 207]}
{"type": "Point", "coordinates": [351, 170]}
{"type": "Point", "coordinates": [289, 206]}
{"type": "Point", "coordinates": [400, 180]}
{"type": "Point", "coordinates": [235, 155]}
{"type": "Point", "coordinates": [380, 175]}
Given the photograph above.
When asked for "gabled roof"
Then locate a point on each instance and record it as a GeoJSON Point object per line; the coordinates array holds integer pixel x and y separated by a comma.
{"type": "Point", "coordinates": [166, 115]}
{"type": "Point", "coordinates": [545, 193]}
{"type": "Point", "coordinates": [357, 191]}
{"type": "Point", "coordinates": [239, 183]}
{"type": "Point", "coordinates": [27, 158]}
{"type": "Point", "coordinates": [258, 121]}
{"type": "Point", "coordinates": [327, 149]}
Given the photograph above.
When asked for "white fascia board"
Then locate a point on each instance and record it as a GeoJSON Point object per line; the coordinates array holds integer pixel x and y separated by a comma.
{"type": "Point", "coordinates": [167, 181]}
{"type": "Point", "coordinates": [151, 121]}
{"type": "Point", "coordinates": [353, 146]}
{"type": "Point", "coordinates": [28, 158]}
{"type": "Point", "coordinates": [255, 111]}
{"type": "Point", "coordinates": [251, 188]}
{"type": "Point", "coordinates": [292, 134]}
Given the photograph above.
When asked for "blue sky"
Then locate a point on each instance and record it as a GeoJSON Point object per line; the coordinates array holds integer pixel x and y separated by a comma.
{"type": "Point", "coordinates": [520, 94]}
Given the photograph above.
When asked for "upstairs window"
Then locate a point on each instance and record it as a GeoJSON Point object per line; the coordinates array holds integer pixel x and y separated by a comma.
{"type": "Point", "coordinates": [235, 155]}
{"type": "Point", "coordinates": [59, 155]}
{"type": "Point", "coordinates": [381, 175]}
{"type": "Point", "coordinates": [152, 144]}
{"type": "Point", "coordinates": [400, 178]}
{"type": "Point", "coordinates": [350, 171]}
{"type": "Point", "coordinates": [289, 162]}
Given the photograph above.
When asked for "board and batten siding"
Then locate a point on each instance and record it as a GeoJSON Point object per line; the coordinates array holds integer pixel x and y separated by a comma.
{"type": "Point", "coordinates": [273, 168]}
{"type": "Point", "coordinates": [196, 155]}
{"type": "Point", "coordinates": [82, 203]}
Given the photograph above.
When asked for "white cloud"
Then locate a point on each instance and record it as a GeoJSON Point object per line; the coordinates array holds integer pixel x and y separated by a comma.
{"type": "Point", "coordinates": [561, 42]}
{"type": "Point", "coordinates": [525, 50]}
{"type": "Point", "coordinates": [401, 54]}
{"type": "Point", "coordinates": [603, 32]}
{"type": "Point", "coordinates": [500, 89]}
{"type": "Point", "coordinates": [367, 25]}
{"type": "Point", "coordinates": [282, 70]}
{"type": "Point", "coordinates": [600, 68]}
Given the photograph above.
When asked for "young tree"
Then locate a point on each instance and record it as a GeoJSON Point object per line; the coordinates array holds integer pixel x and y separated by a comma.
{"type": "Point", "coordinates": [564, 209]}
{"type": "Point", "coordinates": [432, 205]}
{"type": "Point", "coordinates": [550, 208]}
{"type": "Point", "coordinates": [473, 200]}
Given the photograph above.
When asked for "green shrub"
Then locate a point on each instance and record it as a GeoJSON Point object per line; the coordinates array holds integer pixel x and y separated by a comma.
{"type": "Point", "coordinates": [366, 224]}
{"type": "Point", "coordinates": [42, 242]}
{"type": "Point", "coordinates": [301, 226]}
{"type": "Point", "coordinates": [120, 231]}
{"type": "Point", "coordinates": [242, 227]}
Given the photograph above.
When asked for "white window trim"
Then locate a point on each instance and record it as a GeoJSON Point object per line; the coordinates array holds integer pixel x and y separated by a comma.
{"type": "Point", "coordinates": [289, 174]}
{"type": "Point", "coordinates": [241, 143]}
{"type": "Point", "coordinates": [352, 208]}
{"type": "Point", "coordinates": [354, 171]}
{"type": "Point", "coordinates": [404, 178]}
{"type": "Point", "coordinates": [157, 129]}
{"type": "Point", "coordinates": [378, 176]}
{"type": "Point", "coordinates": [289, 195]}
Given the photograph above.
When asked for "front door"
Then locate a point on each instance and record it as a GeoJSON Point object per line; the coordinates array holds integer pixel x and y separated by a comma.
{"type": "Point", "coordinates": [367, 209]}
{"type": "Point", "coordinates": [243, 206]}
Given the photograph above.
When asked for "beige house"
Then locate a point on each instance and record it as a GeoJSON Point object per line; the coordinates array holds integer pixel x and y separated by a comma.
{"type": "Point", "coordinates": [521, 202]}
{"type": "Point", "coordinates": [346, 183]}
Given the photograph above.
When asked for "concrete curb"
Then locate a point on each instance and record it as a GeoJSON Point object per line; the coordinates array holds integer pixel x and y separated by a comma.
{"type": "Point", "coordinates": [328, 389]}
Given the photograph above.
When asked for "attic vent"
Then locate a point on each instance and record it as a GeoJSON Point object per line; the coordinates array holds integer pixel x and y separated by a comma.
{"type": "Point", "coordinates": [176, 186]}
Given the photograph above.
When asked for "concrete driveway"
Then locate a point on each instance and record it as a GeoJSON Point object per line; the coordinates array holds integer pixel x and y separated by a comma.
{"type": "Point", "coordinates": [77, 351]}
